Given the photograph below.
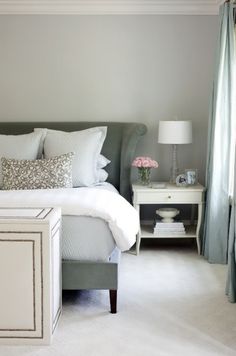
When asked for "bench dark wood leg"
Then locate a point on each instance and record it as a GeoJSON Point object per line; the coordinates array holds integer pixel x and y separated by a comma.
{"type": "Point", "coordinates": [113, 300]}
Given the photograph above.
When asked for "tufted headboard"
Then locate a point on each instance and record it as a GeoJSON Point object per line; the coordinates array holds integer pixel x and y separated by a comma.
{"type": "Point", "coordinates": [119, 145]}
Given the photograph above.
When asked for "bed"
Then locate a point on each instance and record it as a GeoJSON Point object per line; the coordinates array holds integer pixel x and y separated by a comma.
{"type": "Point", "coordinates": [90, 272]}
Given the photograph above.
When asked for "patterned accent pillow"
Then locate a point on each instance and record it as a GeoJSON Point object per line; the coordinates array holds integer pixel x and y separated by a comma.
{"type": "Point", "coordinates": [49, 173]}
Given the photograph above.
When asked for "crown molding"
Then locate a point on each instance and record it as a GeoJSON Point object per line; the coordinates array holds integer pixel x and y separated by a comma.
{"type": "Point", "coordinates": [109, 7]}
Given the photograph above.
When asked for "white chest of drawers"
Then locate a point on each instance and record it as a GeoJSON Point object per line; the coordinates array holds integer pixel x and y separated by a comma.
{"type": "Point", "coordinates": [30, 275]}
{"type": "Point", "coordinates": [171, 194]}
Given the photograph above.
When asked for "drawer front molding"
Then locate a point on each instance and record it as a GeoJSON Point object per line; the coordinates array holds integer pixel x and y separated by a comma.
{"type": "Point", "coordinates": [167, 197]}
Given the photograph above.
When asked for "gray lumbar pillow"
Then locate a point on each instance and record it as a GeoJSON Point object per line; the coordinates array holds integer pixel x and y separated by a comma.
{"type": "Point", "coordinates": [49, 173]}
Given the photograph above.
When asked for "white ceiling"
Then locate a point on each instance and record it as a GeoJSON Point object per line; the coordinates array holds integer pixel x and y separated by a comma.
{"type": "Point", "coordinates": [96, 7]}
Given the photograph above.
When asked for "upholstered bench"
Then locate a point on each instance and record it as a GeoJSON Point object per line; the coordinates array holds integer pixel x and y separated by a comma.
{"type": "Point", "coordinates": [30, 274]}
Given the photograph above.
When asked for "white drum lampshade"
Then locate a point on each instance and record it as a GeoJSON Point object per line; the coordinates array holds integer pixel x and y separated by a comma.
{"type": "Point", "coordinates": [175, 133]}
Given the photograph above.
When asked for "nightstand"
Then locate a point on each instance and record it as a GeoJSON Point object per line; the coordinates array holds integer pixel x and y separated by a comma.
{"type": "Point", "coordinates": [171, 194]}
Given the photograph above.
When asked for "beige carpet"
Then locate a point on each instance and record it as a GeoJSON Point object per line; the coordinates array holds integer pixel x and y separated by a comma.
{"type": "Point", "coordinates": [171, 302]}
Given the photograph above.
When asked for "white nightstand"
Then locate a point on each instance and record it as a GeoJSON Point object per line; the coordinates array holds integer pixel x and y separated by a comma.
{"type": "Point", "coordinates": [171, 194]}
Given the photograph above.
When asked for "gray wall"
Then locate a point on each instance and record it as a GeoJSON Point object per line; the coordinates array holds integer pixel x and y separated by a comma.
{"type": "Point", "coordinates": [119, 68]}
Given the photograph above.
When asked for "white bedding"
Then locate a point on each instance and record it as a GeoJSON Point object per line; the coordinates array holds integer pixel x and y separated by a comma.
{"type": "Point", "coordinates": [121, 217]}
{"type": "Point", "coordinates": [85, 238]}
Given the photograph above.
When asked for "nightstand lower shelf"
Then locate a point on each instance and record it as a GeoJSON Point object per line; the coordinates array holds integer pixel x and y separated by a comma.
{"type": "Point", "coordinates": [147, 232]}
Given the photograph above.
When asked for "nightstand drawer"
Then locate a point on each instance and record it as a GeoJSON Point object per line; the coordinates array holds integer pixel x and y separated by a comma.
{"type": "Point", "coordinates": [149, 197]}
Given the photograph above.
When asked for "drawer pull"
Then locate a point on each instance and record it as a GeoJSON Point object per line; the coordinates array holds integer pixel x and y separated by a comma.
{"type": "Point", "coordinates": [169, 196]}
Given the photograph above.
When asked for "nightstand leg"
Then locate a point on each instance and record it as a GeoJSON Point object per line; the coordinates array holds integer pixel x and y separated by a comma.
{"type": "Point", "coordinates": [138, 240]}
{"type": "Point", "coordinates": [138, 237]}
{"type": "Point", "coordinates": [192, 214]}
{"type": "Point", "coordinates": [199, 221]}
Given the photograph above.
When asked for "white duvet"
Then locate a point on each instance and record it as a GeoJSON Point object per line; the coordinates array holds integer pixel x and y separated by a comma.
{"type": "Point", "coordinates": [121, 217]}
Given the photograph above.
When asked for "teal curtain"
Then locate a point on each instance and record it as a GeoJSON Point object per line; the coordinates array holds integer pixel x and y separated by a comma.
{"type": "Point", "coordinates": [216, 226]}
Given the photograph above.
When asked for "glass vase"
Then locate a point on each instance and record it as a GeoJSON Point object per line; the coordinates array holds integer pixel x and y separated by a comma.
{"type": "Point", "coordinates": [144, 175]}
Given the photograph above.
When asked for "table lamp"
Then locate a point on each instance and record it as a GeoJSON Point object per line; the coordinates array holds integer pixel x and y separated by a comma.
{"type": "Point", "coordinates": [175, 133]}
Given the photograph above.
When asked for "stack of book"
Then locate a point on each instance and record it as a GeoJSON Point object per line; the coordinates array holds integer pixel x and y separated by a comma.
{"type": "Point", "coordinates": [169, 229]}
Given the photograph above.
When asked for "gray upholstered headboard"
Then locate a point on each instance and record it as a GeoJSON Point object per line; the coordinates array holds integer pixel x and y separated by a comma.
{"type": "Point", "coordinates": [119, 146]}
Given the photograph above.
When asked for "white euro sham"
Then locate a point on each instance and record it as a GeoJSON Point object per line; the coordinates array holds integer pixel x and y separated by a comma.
{"type": "Point", "coordinates": [86, 144]}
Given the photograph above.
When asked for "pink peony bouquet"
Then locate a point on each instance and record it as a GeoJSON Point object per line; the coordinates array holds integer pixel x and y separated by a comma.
{"type": "Point", "coordinates": [145, 162]}
{"type": "Point", "coordinates": [144, 165]}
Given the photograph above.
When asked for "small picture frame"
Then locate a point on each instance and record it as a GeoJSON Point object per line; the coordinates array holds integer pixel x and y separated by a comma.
{"type": "Point", "coordinates": [181, 180]}
{"type": "Point", "coordinates": [192, 176]}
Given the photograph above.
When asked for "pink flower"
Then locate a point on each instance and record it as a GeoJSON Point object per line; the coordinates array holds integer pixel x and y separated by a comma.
{"type": "Point", "coordinates": [145, 162]}
{"type": "Point", "coordinates": [154, 164]}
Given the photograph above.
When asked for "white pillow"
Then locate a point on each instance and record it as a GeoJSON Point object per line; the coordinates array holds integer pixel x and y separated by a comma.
{"type": "Point", "coordinates": [43, 136]}
{"type": "Point", "coordinates": [102, 161]}
{"type": "Point", "coordinates": [86, 145]}
{"type": "Point", "coordinates": [20, 147]}
{"type": "Point", "coordinates": [102, 175]}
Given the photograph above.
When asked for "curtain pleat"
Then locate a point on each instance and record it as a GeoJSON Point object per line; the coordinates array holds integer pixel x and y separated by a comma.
{"type": "Point", "coordinates": [215, 232]}
{"type": "Point", "coordinates": [231, 281]}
